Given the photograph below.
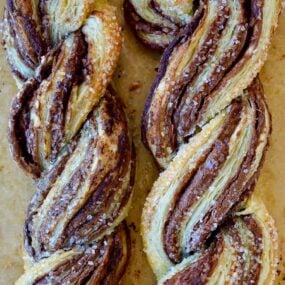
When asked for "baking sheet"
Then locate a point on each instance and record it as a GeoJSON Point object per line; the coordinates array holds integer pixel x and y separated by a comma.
{"type": "Point", "coordinates": [134, 76]}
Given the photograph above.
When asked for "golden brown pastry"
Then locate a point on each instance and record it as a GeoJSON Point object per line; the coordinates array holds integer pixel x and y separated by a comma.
{"type": "Point", "coordinates": [102, 262]}
{"type": "Point", "coordinates": [157, 22]}
{"type": "Point", "coordinates": [207, 125]}
{"type": "Point", "coordinates": [243, 252]}
{"type": "Point", "coordinates": [31, 28]}
{"type": "Point", "coordinates": [69, 132]}
{"type": "Point", "coordinates": [204, 69]}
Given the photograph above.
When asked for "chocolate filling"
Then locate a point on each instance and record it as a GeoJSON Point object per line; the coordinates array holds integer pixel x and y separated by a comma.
{"type": "Point", "coordinates": [138, 24]}
{"type": "Point", "coordinates": [89, 222]}
{"type": "Point", "coordinates": [30, 42]}
{"type": "Point", "coordinates": [100, 263]}
{"type": "Point", "coordinates": [245, 238]}
{"type": "Point", "coordinates": [100, 178]}
{"type": "Point", "coordinates": [180, 114]}
{"type": "Point", "coordinates": [199, 183]}
{"type": "Point", "coordinates": [236, 187]}
{"type": "Point", "coordinates": [207, 170]}
{"type": "Point", "coordinates": [73, 64]}
{"type": "Point", "coordinates": [200, 271]}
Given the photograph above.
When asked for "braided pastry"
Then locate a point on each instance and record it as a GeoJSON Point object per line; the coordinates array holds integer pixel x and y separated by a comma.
{"type": "Point", "coordinates": [157, 22]}
{"type": "Point", "coordinates": [31, 28]}
{"type": "Point", "coordinates": [69, 132]}
{"type": "Point", "coordinates": [207, 124]}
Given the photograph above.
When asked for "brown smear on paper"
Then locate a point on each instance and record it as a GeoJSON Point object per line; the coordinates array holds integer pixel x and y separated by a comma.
{"type": "Point", "coordinates": [137, 68]}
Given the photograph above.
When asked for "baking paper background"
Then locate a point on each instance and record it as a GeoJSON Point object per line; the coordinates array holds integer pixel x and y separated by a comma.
{"type": "Point", "coordinates": [138, 67]}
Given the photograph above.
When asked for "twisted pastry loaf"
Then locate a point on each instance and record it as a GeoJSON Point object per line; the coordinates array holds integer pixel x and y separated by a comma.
{"type": "Point", "coordinates": [207, 124]}
{"type": "Point", "coordinates": [69, 132]}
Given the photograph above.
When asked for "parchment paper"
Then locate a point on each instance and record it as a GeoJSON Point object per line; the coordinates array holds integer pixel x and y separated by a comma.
{"type": "Point", "coordinates": [137, 68]}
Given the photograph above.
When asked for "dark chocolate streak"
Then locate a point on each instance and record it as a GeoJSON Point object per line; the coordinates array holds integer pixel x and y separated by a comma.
{"type": "Point", "coordinates": [21, 137]}
{"type": "Point", "coordinates": [154, 5]}
{"type": "Point", "coordinates": [256, 251]}
{"type": "Point", "coordinates": [201, 270]}
{"type": "Point", "coordinates": [73, 65]}
{"type": "Point", "coordinates": [187, 33]}
{"type": "Point", "coordinates": [99, 263]}
{"type": "Point", "coordinates": [29, 39]}
{"type": "Point", "coordinates": [175, 100]}
{"type": "Point", "coordinates": [181, 118]}
{"type": "Point", "coordinates": [171, 28]}
{"type": "Point", "coordinates": [138, 24]}
{"type": "Point", "coordinates": [80, 228]}
{"type": "Point", "coordinates": [235, 188]}
{"type": "Point", "coordinates": [185, 114]}
{"type": "Point", "coordinates": [207, 170]}
{"type": "Point", "coordinates": [19, 121]}
{"type": "Point", "coordinates": [255, 20]}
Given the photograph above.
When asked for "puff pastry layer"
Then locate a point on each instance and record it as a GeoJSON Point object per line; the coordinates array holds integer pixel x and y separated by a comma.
{"type": "Point", "coordinates": [31, 28]}
{"type": "Point", "coordinates": [157, 22]}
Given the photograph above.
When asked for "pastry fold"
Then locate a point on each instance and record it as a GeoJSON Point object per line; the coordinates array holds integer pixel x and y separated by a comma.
{"type": "Point", "coordinates": [49, 106]}
{"type": "Point", "coordinates": [32, 28]}
{"type": "Point", "coordinates": [69, 132]}
{"type": "Point", "coordinates": [85, 192]}
{"type": "Point", "coordinates": [244, 252]}
{"type": "Point", "coordinates": [204, 69]}
{"type": "Point", "coordinates": [206, 179]}
{"type": "Point", "coordinates": [101, 262]}
{"type": "Point", "coordinates": [157, 22]}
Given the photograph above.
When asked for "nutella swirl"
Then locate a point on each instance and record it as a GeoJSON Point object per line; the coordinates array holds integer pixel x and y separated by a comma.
{"type": "Point", "coordinates": [157, 22]}
{"type": "Point", "coordinates": [235, 256]}
{"type": "Point", "coordinates": [32, 28]}
{"type": "Point", "coordinates": [101, 262]}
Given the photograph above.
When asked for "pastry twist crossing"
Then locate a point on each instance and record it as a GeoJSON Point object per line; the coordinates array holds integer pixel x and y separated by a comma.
{"type": "Point", "coordinates": [207, 125]}
{"type": "Point", "coordinates": [69, 132]}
